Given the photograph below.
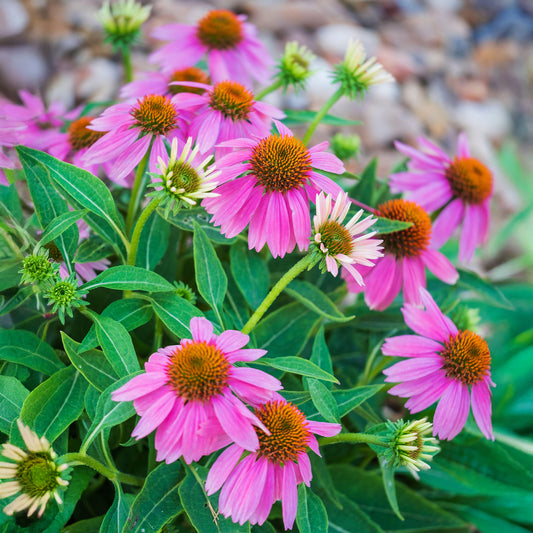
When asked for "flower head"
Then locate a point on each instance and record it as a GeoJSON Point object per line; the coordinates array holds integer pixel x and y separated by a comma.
{"type": "Point", "coordinates": [462, 186]}
{"type": "Point", "coordinates": [63, 295]}
{"type": "Point", "coordinates": [276, 179]}
{"type": "Point", "coordinates": [357, 73]}
{"type": "Point", "coordinates": [191, 394]}
{"type": "Point", "coordinates": [232, 48]}
{"type": "Point", "coordinates": [122, 21]}
{"type": "Point", "coordinates": [252, 483]}
{"type": "Point", "coordinates": [130, 129]}
{"type": "Point", "coordinates": [293, 67]}
{"type": "Point", "coordinates": [33, 472]}
{"type": "Point", "coordinates": [409, 446]}
{"type": "Point", "coordinates": [445, 364]}
{"type": "Point", "coordinates": [407, 253]}
{"type": "Point", "coordinates": [336, 243]}
{"type": "Point", "coordinates": [184, 179]}
{"type": "Point", "coordinates": [37, 267]}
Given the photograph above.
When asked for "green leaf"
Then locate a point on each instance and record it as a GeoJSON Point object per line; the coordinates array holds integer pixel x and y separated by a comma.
{"type": "Point", "coordinates": [12, 396]}
{"type": "Point", "coordinates": [10, 202]}
{"type": "Point", "coordinates": [153, 242]}
{"type": "Point", "coordinates": [286, 330]}
{"type": "Point", "coordinates": [250, 273]}
{"type": "Point", "coordinates": [175, 312]}
{"type": "Point", "coordinates": [488, 292]}
{"type": "Point", "coordinates": [298, 365]}
{"type": "Point", "coordinates": [131, 313]}
{"type": "Point", "coordinates": [314, 299]}
{"type": "Point", "coordinates": [92, 249]}
{"type": "Point", "coordinates": [55, 404]}
{"type": "Point", "coordinates": [294, 117]}
{"type": "Point", "coordinates": [48, 203]}
{"type": "Point", "coordinates": [127, 277]}
{"type": "Point", "coordinates": [320, 354]}
{"type": "Point", "coordinates": [93, 364]}
{"type": "Point", "coordinates": [348, 399]}
{"type": "Point", "coordinates": [90, 525]}
{"type": "Point", "coordinates": [193, 499]}
{"type": "Point", "coordinates": [210, 276]}
{"type": "Point", "coordinates": [60, 224]}
{"type": "Point", "coordinates": [324, 401]}
{"type": "Point", "coordinates": [390, 486]}
{"type": "Point", "coordinates": [311, 516]}
{"type": "Point", "coordinates": [157, 502]}
{"type": "Point", "coordinates": [187, 218]}
{"type": "Point", "coordinates": [25, 348]}
{"type": "Point", "coordinates": [115, 518]}
{"type": "Point", "coordinates": [386, 225]}
{"type": "Point", "coordinates": [108, 412]}
{"type": "Point", "coordinates": [17, 300]}
{"type": "Point", "coordinates": [349, 518]}
{"type": "Point", "coordinates": [364, 189]}
{"type": "Point", "coordinates": [116, 344]}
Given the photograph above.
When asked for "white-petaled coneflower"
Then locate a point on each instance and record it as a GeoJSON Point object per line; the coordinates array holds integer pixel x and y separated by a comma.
{"type": "Point", "coordinates": [33, 474]}
{"type": "Point", "coordinates": [122, 21]}
{"type": "Point", "coordinates": [293, 67]}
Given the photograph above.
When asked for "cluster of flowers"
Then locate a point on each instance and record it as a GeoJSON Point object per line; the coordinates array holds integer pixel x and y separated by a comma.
{"type": "Point", "coordinates": [174, 122]}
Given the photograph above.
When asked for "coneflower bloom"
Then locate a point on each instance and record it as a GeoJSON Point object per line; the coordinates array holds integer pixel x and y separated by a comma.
{"type": "Point", "coordinates": [10, 131]}
{"type": "Point", "coordinates": [267, 183]}
{"type": "Point", "coordinates": [232, 48]}
{"type": "Point", "coordinates": [186, 178]}
{"type": "Point", "coordinates": [130, 129]}
{"type": "Point", "coordinates": [164, 83]}
{"type": "Point", "coordinates": [407, 253]}
{"type": "Point", "coordinates": [252, 483]}
{"type": "Point", "coordinates": [462, 185]}
{"type": "Point", "coordinates": [33, 472]}
{"type": "Point", "coordinates": [338, 243]}
{"type": "Point", "coordinates": [225, 111]}
{"type": "Point", "coordinates": [444, 364]}
{"type": "Point", "coordinates": [192, 394]}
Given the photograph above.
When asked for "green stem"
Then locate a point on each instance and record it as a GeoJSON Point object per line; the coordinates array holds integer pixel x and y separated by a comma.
{"type": "Point", "coordinates": [137, 190]}
{"type": "Point", "coordinates": [306, 262]}
{"type": "Point", "coordinates": [353, 438]}
{"type": "Point", "coordinates": [321, 114]}
{"type": "Point", "coordinates": [141, 221]}
{"type": "Point", "coordinates": [126, 61]}
{"type": "Point", "coordinates": [74, 459]}
{"type": "Point", "coordinates": [11, 243]}
{"type": "Point", "coordinates": [270, 89]}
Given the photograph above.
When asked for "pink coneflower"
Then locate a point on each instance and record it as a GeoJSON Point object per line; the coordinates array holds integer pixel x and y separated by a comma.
{"type": "Point", "coordinates": [225, 111]}
{"type": "Point", "coordinates": [164, 83]}
{"type": "Point", "coordinates": [337, 242]}
{"type": "Point", "coordinates": [273, 194]}
{"type": "Point", "coordinates": [191, 394]}
{"type": "Point", "coordinates": [251, 484]}
{"type": "Point", "coordinates": [129, 131]}
{"type": "Point", "coordinates": [445, 364]}
{"type": "Point", "coordinates": [232, 48]}
{"type": "Point", "coordinates": [463, 185]}
{"type": "Point", "coordinates": [10, 132]}
{"type": "Point", "coordinates": [407, 253]}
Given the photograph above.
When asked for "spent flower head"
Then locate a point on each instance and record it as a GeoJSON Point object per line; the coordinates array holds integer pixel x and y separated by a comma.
{"type": "Point", "coordinates": [357, 73]}
{"type": "Point", "coordinates": [122, 21]}
{"type": "Point", "coordinates": [64, 295]}
{"type": "Point", "coordinates": [33, 474]}
{"type": "Point", "coordinates": [293, 67]}
{"type": "Point", "coordinates": [38, 267]}
{"type": "Point", "coordinates": [409, 446]}
{"type": "Point", "coordinates": [184, 179]}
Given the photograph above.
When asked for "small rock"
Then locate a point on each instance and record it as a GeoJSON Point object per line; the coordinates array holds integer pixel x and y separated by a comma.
{"type": "Point", "coordinates": [445, 6]}
{"type": "Point", "coordinates": [22, 67]}
{"type": "Point", "coordinates": [493, 54]}
{"type": "Point", "coordinates": [13, 18]}
{"type": "Point", "coordinates": [399, 63]}
{"type": "Point", "coordinates": [61, 88]}
{"type": "Point", "coordinates": [489, 119]}
{"type": "Point", "coordinates": [333, 39]}
{"type": "Point", "coordinates": [470, 89]}
{"type": "Point", "coordinates": [99, 80]}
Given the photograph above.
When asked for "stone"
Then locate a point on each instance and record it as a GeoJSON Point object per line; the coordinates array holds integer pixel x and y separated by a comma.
{"type": "Point", "coordinates": [488, 119]}
{"type": "Point", "coordinates": [333, 39]}
{"type": "Point", "coordinates": [22, 66]}
{"type": "Point", "coordinates": [397, 62]}
{"type": "Point", "coordinates": [99, 80]}
{"type": "Point", "coordinates": [14, 18]}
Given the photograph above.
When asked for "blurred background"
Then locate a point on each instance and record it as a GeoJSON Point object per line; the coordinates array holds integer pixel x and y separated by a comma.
{"type": "Point", "coordinates": [461, 65]}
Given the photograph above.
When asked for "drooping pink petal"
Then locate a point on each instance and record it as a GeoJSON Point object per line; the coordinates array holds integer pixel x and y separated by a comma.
{"type": "Point", "coordinates": [222, 468]}
{"type": "Point", "coordinates": [452, 411]}
{"type": "Point", "coordinates": [470, 234]}
{"type": "Point", "coordinates": [440, 266]}
{"type": "Point", "coordinates": [289, 497]}
{"type": "Point", "coordinates": [482, 407]}
{"type": "Point", "coordinates": [383, 283]}
{"type": "Point", "coordinates": [414, 278]}
{"type": "Point", "coordinates": [445, 224]}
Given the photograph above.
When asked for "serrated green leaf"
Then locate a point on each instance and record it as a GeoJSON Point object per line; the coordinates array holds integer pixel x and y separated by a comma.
{"type": "Point", "coordinates": [153, 242]}
{"type": "Point", "coordinates": [175, 312]}
{"type": "Point", "coordinates": [60, 224]}
{"type": "Point", "coordinates": [300, 366]}
{"type": "Point", "coordinates": [210, 276]}
{"type": "Point", "coordinates": [55, 404]}
{"type": "Point", "coordinates": [131, 313]}
{"type": "Point", "coordinates": [311, 516]}
{"type": "Point", "coordinates": [127, 277]}
{"type": "Point", "coordinates": [12, 396]}
{"type": "Point", "coordinates": [93, 364]}
{"type": "Point", "coordinates": [157, 502]}
{"type": "Point", "coordinates": [488, 292]}
{"type": "Point", "coordinates": [250, 273]}
{"type": "Point", "coordinates": [313, 298]}
{"type": "Point", "coordinates": [386, 225]}
{"type": "Point", "coordinates": [25, 348]}
{"type": "Point", "coordinates": [324, 401]}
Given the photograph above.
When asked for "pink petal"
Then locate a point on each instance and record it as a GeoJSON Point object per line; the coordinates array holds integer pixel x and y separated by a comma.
{"type": "Point", "coordinates": [433, 391]}
{"type": "Point", "coordinates": [325, 429]}
{"type": "Point", "coordinates": [154, 415]}
{"type": "Point", "coordinates": [414, 278]}
{"type": "Point", "coordinates": [482, 408]}
{"type": "Point", "coordinates": [383, 283]}
{"type": "Point", "coordinates": [289, 496]}
{"type": "Point", "coordinates": [256, 377]}
{"type": "Point", "coordinates": [463, 150]}
{"type": "Point", "coordinates": [229, 341]}
{"type": "Point", "coordinates": [433, 310]}
{"type": "Point", "coordinates": [139, 386]}
{"type": "Point", "coordinates": [440, 266]}
{"type": "Point", "coordinates": [470, 234]}
{"type": "Point", "coordinates": [452, 411]}
{"type": "Point", "coordinates": [410, 346]}
{"type": "Point", "coordinates": [412, 369]}
{"type": "Point", "coordinates": [446, 222]}
{"type": "Point", "coordinates": [328, 162]}
{"type": "Point", "coordinates": [246, 354]}
{"type": "Point", "coordinates": [222, 468]}
{"type": "Point", "coordinates": [201, 329]}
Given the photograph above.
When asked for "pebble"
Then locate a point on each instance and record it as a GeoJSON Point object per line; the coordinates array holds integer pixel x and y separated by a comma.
{"type": "Point", "coordinates": [333, 39]}
{"type": "Point", "coordinates": [31, 77]}
{"type": "Point", "coordinates": [489, 119]}
{"type": "Point", "coordinates": [98, 80]}
{"type": "Point", "coordinates": [14, 18]}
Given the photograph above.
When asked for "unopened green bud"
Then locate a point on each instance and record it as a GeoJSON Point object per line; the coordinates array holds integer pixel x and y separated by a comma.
{"type": "Point", "coordinates": [37, 268]}
{"type": "Point", "coordinates": [465, 318]}
{"type": "Point", "coordinates": [185, 292]}
{"type": "Point", "coordinates": [345, 146]}
{"type": "Point", "coordinates": [64, 295]}
{"type": "Point", "coordinates": [293, 67]}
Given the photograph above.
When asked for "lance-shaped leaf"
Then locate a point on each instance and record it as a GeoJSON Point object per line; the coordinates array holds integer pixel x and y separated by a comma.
{"type": "Point", "coordinates": [60, 224]}
{"type": "Point", "coordinates": [175, 312]}
{"type": "Point", "coordinates": [12, 396]}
